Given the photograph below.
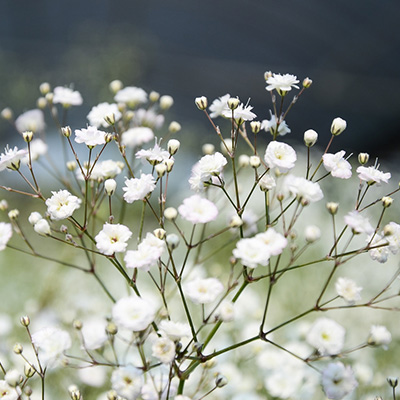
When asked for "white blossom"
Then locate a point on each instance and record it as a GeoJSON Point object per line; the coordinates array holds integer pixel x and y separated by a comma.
{"type": "Point", "coordinates": [338, 381]}
{"type": "Point", "coordinates": [148, 118]}
{"type": "Point", "coordinates": [112, 238]}
{"type": "Point", "coordinates": [267, 182]}
{"type": "Point", "coordinates": [163, 349]}
{"type": "Point", "coordinates": [219, 106]}
{"type": "Point", "coordinates": [225, 311]}
{"type": "Point", "coordinates": [154, 156]}
{"type": "Point", "coordinates": [203, 291]}
{"type": "Point", "coordinates": [97, 114]}
{"type": "Point", "coordinates": [5, 234]}
{"type": "Point", "coordinates": [282, 83]}
{"type": "Point", "coordinates": [11, 158]}
{"type": "Point", "coordinates": [271, 125]}
{"type": "Point", "coordinates": [131, 95]}
{"type": "Point", "coordinates": [135, 137]}
{"type": "Point", "coordinates": [62, 204]}
{"type": "Point", "coordinates": [280, 155]}
{"type": "Point", "coordinates": [381, 251]}
{"type": "Point", "coordinates": [138, 188]}
{"type": "Point", "coordinates": [174, 330]}
{"type": "Point", "coordinates": [211, 165]}
{"type": "Point", "coordinates": [394, 237]}
{"type": "Point", "coordinates": [67, 96]}
{"type": "Point", "coordinates": [90, 136]}
{"type": "Point", "coordinates": [252, 252]}
{"type": "Point", "coordinates": [337, 165]}
{"type": "Point", "coordinates": [32, 120]}
{"type": "Point", "coordinates": [133, 313]}
{"type": "Point", "coordinates": [240, 113]}
{"type": "Point", "coordinates": [274, 241]}
{"type": "Point", "coordinates": [358, 223]}
{"type": "Point", "coordinates": [303, 189]}
{"type": "Point", "coordinates": [198, 210]}
{"type": "Point", "coordinates": [373, 175]}
{"type": "Point", "coordinates": [42, 227]}
{"type": "Point", "coordinates": [312, 233]}
{"type": "Point", "coordinates": [379, 336]}
{"type": "Point", "coordinates": [7, 392]}
{"type": "Point", "coordinates": [127, 382]}
{"type": "Point", "coordinates": [327, 336]}
{"type": "Point", "coordinates": [94, 333]}
{"type": "Point", "coordinates": [348, 290]}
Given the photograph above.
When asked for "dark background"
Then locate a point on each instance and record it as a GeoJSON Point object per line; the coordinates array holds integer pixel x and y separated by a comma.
{"type": "Point", "coordinates": [189, 48]}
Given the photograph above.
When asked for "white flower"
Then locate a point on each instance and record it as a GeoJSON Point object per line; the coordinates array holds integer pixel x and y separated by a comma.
{"type": "Point", "coordinates": [211, 165]}
{"type": "Point", "coordinates": [337, 165]}
{"type": "Point", "coordinates": [312, 233]}
{"type": "Point", "coordinates": [282, 83]}
{"type": "Point", "coordinates": [225, 311]}
{"type": "Point", "coordinates": [252, 252]}
{"type": "Point", "coordinates": [67, 96]}
{"type": "Point", "coordinates": [154, 156]}
{"type": "Point", "coordinates": [327, 336]}
{"type": "Point", "coordinates": [219, 105]}
{"type": "Point", "coordinates": [163, 349]}
{"type": "Point", "coordinates": [135, 137]}
{"type": "Point", "coordinates": [274, 241]}
{"type": "Point", "coordinates": [7, 392]}
{"type": "Point", "coordinates": [203, 291]}
{"type": "Point", "coordinates": [240, 114]}
{"type": "Point", "coordinates": [38, 148]}
{"type": "Point", "coordinates": [34, 217]}
{"type": "Point", "coordinates": [112, 238]}
{"type": "Point", "coordinates": [174, 330]}
{"type": "Point", "coordinates": [394, 237]}
{"type": "Point", "coordinates": [358, 223]}
{"type": "Point", "coordinates": [159, 387]}
{"type": "Point", "coordinates": [127, 382]}
{"type": "Point", "coordinates": [280, 155]}
{"type": "Point", "coordinates": [133, 313]}
{"type": "Point", "coordinates": [51, 342]}
{"type": "Point", "coordinates": [348, 290]}
{"type": "Point", "coordinates": [62, 205]}
{"type": "Point", "coordinates": [13, 377]}
{"type": "Point", "coordinates": [131, 95]}
{"type": "Point", "coordinates": [198, 210]}
{"type": "Point", "coordinates": [338, 381]}
{"type": "Point", "coordinates": [379, 336]}
{"type": "Point", "coordinates": [11, 158]}
{"type": "Point", "coordinates": [284, 383]}
{"type": "Point", "coordinates": [267, 182]}
{"type": "Point", "coordinates": [371, 175]}
{"type": "Point", "coordinates": [381, 253]}
{"type": "Point", "coordinates": [90, 136]}
{"type": "Point", "coordinates": [303, 189]}
{"type": "Point", "coordinates": [5, 234]}
{"type": "Point", "coordinates": [138, 188]}
{"type": "Point", "coordinates": [338, 126]}
{"type": "Point", "coordinates": [106, 169]}
{"type": "Point", "coordinates": [42, 227]}
{"type": "Point", "coordinates": [97, 114]}
{"type": "Point", "coordinates": [32, 120]}
{"type": "Point", "coordinates": [148, 118]}
{"type": "Point", "coordinates": [270, 126]}
{"type": "Point", "coordinates": [94, 333]}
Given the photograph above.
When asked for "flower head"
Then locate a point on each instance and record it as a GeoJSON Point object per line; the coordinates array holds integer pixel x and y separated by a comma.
{"type": "Point", "coordinates": [272, 124]}
{"type": "Point", "coordinates": [327, 336]}
{"type": "Point", "coordinates": [66, 96]}
{"type": "Point", "coordinates": [280, 155]}
{"type": "Point", "coordinates": [164, 349]}
{"type": "Point", "coordinates": [219, 106]}
{"type": "Point", "coordinates": [127, 382]}
{"type": "Point", "coordinates": [98, 113]}
{"type": "Point", "coordinates": [32, 120]}
{"type": "Point", "coordinates": [337, 165]}
{"type": "Point", "coordinates": [203, 291]}
{"type": "Point", "coordinates": [131, 95]}
{"type": "Point", "coordinates": [90, 136]}
{"type": "Point", "coordinates": [338, 381]}
{"type": "Point", "coordinates": [303, 189]}
{"type": "Point", "coordinates": [5, 234]}
{"type": "Point", "coordinates": [62, 205]}
{"type": "Point", "coordinates": [135, 137]}
{"type": "Point", "coordinates": [138, 188]}
{"type": "Point", "coordinates": [154, 156]}
{"type": "Point", "coordinates": [379, 336]}
{"type": "Point", "coordinates": [113, 238]}
{"type": "Point", "coordinates": [198, 210]}
{"type": "Point", "coordinates": [282, 83]}
{"type": "Point", "coordinates": [348, 290]}
{"type": "Point", "coordinates": [240, 114]}
{"type": "Point", "coordinates": [373, 175]}
{"type": "Point", "coordinates": [358, 223]}
{"type": "Point", "coordinates": [11, 158]}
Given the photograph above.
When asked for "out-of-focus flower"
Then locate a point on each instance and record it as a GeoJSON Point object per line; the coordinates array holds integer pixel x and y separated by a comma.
{"type": "Point", "coordinates": [127, 382]}
{"type": "Point", "coordinates": [379, 336]}
{"type": "Point", "coordinates": [303, 189]}
{"type": "Point", "coordinates": [32, 120]}
{"type": "Point", "coordinates": [381, 251]}
{"type": "Point", "coordinates": [67, 97]}
{"type": "Point", "coordinates": [312, 233]}
{"type": "Point", "coordinates": [5, 234]}
{"type": "Point", "coordinates": [327, 336]}
{"type": "Point", "coordinates": [198, 210]}
{"type": "Point", "coordinates": [94, 333]}
{"type": "Point", "coordinates": [358, 223]}
{"type": "Point", "coordinates": [348, 290]}
{"type": "Point", "coordinates": [131, 95]}
{"type": "Point", "coordinates": [174, 330]}
{"type": "Point", "coordinates": [11, 158]}
{"type": "Point", "coordinates": [163, 349]}
{"type": "Point", "coordinates": [203, 291]}
{"type": "Point", "coordinates": [135, 137]}
{"type": "Point", "coordinates": [7, 392]}
{"type": "Point", "coordinates": [338, 381]}
{"type": "Point", "coordinates": [98, 113]}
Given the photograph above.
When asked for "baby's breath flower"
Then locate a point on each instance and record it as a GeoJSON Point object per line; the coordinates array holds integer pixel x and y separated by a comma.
{"type": "Point", "coordinates": [166, 102]}
{"type": "Point", "coordinates": [358, 223]}
{"type": "Point", "coordinates": [338, 381]}
{"type": "Point", "coordinates": [379, 336]}
{"type": "Point", "coordinates": [201, 102]}
{"type": "Point", "coordinates": [112, 238]}
{"type": "Point", "coordinates": [372, 175]}
{"type": "Point", "coordinates": [90, 136]}
{"type": "Point", "coordinates": [272, 126]}
{"type": "Point", "coordinates": [338, 126]}
{"type": "Point", "coordinates": [115, 86]}
{"type": "Point", "coordinates": [98, 114]}
{"type": "Point", "coordinates": [32, 120]}
{"type": "Point", "coordinates": [62, 204]}
{"type": "Point", "coordinates": [203, 291]}
{"type": "Point", "coordinates": [131, 95]}
{"type": "Point", "coordinates": [198, 210]}
{"type": "Point", "coordinates": [174, 127]}
{"type": "Point", "coordinates": [5, 234]}
{"type": "Point", "coordinates": [327, 336]}
{"type": "Point", "coordinates": [42, 227]}
{"type": "Point", "coordinates": [135, 137]}
{"type": "Point", "coordinates": [11, 158]}
{"type": "Point", "coordinates": [67, 97]}
{"type": "Point", "coordinates": [138, 188]}
{"type": "Point", "coordinates": [312, 233]}
{"type": "Point", "coordinates": [282, 83]}
{"type": "Point", "coordinates": [348, 290]}
{"type": "Point", "coordinates": [164, 349]}
{"type": "Point", "coordinates": [280, 155]}
{"type": "Point", "coordinates": [127, 382]}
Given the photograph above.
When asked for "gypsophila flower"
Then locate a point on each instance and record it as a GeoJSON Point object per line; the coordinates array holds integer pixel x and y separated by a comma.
{"type": "Point", "coordinates": [66, 96]}
{"type": "Point", "coordinates": [133, 313]}
{"type": "Point", "coordinates": [135, 137]}
{"type": "Point", "coordinates": [198, 210]}
{"type": "Point", "coordinates": [138, 188]}
{"type": "Point", "coordinates": [7, 392]}
{"type": "Point", "coordinates": [148, 118]}
{"type": "Point", "coordinates": [11, 158]}
{"type": "Point", "coordinates": [252, 252]}
{"type": "Point", "coordinates": [154, 156]}
{"type": "Point", "coordinates": [274, 241]}
{"type": "Point", "coordinates": [163, 349]}
{"type": "Point", "coordinates": [34, 217]}
{"type": "Point", "coordinates": [282, 83]}
{"type": "Point", "coordinates": [338, 381]}
{"type": "Point", "coordinates": [280, 155]}
{"type": "Point", "coordinates": [62, 204]}
{"type": "Point", "coordinates": [97, 114]}
{"type": "Point", "coordinates": [327, 336]}
{"type": "Point", "coordinates": [358, 223]}
{"type": "Point", "coordinates": [127, 382]}
{"type": "Point", "coordinates": [174, 330]}
{"type": "Point", "coordinates": [131, 95]}
{"type": "Point", "coordinates": [381, 251]}
{"type": "Point", "coordinates": [348, 290]}
{"type": "Point", "coordinates": [211, 165]}
{"type": "Point", "coordinates": [159, 387]}
{"type": "Point", "coordinates": [284, 383]}
{"type": "Point", "coordinates": [112, 238]}
{"type": "Point", "coordinates": [312, 233]}
{"type": "Point", "coordinates": [225, 311]}
{"type": "Point", "coordinates": [267, 182]}
{"type": "Point", "coordinates": [42, 227]}
{"type": "Point", "coordinates": [203, 291]}
{"type": "Point", "coordinates": [32, 120]}
{"type": "Point", "coordinates": [51, 343]}
{"type": "Point", "coordinates": [379, 336]}
{"type": "Point", "coordinates": [373, 175]}
{"type": "Point", "coordinates": [219, 106]}
{"type": "Point", "coordinates": [303, 189]}
{"type": "Point", "coordinates": [337, 165]}
{"type": "Point", "coordinates": [271, 126]}
{"type": "Point", "coordinates": [5, 234]}
{"type": "Point", "coordinates": [240, 114]}
{"type": "Point", "coordinates": [394, 237]}
{"type": "Point", "coordinates": [94, 333]}
{"type": "Point", "coordinates": [90, 136]}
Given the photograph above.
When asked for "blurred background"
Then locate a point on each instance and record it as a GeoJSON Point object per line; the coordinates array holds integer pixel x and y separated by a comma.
{"type": "Point", "coordinates": [192, 48]}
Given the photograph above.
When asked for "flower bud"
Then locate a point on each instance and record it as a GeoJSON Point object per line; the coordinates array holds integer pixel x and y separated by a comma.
{"type": "Point", "coordinates": [25, 320]}
{"type": "Point", "coordinates": [28, 391]}
{"type": "Point", "coordinates": [29, 371]}
{"type": "Point", "coordinates": [159, 233]}
{"type": "Point", "coordinates": [363, 158]}
{"type": "Point", "coordinates": [255, 161]}
{"type": "Point", "coordinates": [161, 169]}
{"type": "Point", "coordinates": [44, 88]}
{"type": "Point", "coordinates": [393, 382]}
{"type": "Point", "coordinates": [7, 114]}
{"type": "Point", "coordinates": [267, 182]}
{"type": "Point", "coordinates": [310, 137]}
{"type": "Point", "coordinates": [28, 136]}
{"type": "Point", "coordinates": [338, 126]}
{"type": "Point", "coordinates": [174, 127]}
{"type": "Point", "coordinates": [236, 221]}
{"type": "Point", "coordinates": [386, 201]}
{"type": "Point", "coordinates": [169, 164]}
{"type": "Point", "coordinates": [227, 146]}
{"type": "Point", "coordinates": [388, 230]}
{"type": "Point", "coordinates": [244, 160]}
{"type": "Point", "coordinates": [109, 186]}
{"type": "Point", "coordinates": [66, 131]}
{"type": "Point", "coordinates": [233, 103]}
{"type": "Point", "coordinates": [220, 380]}
{"type": "Point", "coordinates": [110, 119]}
{"type": "Point", "coordinates": [332, 207]}
{"type": "Point", "coordinates": [41, 103]}
{"type": "Point", "coordinates": [115, 86]}
{"type": "Point", "coordinates": [173, 146]}
{"type": "Point", "coordinates": [172, 241]}
{"type": "Point", "coordinates": [166, 102]}
{"type": "Point", "coordinates": [307, 82]}
{"type": "Point", "coordinates": [49, 97]}
{"type": "Point", "coordinates": [3, 205]}
{"type": "Point", "coordinates": [312, 233]}
{"type": "Point", "coordinates": [71, 165]}
{"type": "Point", "coordinates": [208, 148]}
{"type": "Point", "coordinates": [170, 213]}
{"type": "Point", "coordinates": [201, 102]}
{"type": "Point", "coordinates": [13, 214]}
{"type": "Point", "coordinates": [267, 75]}
{"type": "Point", "coordinates": [75, 394]}
{"type": "Point", "coordinates": [111, 328]}
{"type": "Point", "coordinates": [18, 349]}
{"type": "Point", "coordinates": [77, 324]}
{"type": "Point", "coordinates": [154, 96]}
{"type": "Point", "coordinates": [112, 395]}
{"type": "Point", "coordinates": [34, 217]}
{"type": "Point", "coordinates": [13, 378]}
{"type": "Point", "coordinates": [42, 227]}
{"type": "Point", "coordinates": [255, 126]}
